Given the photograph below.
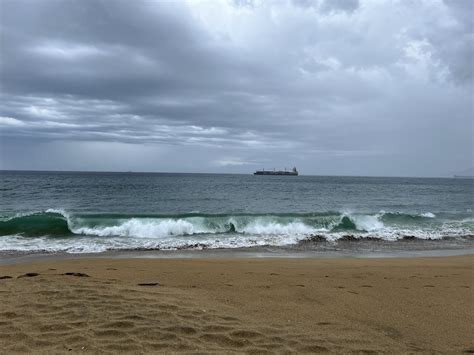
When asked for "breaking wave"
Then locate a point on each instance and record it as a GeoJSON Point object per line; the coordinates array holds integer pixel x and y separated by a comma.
{"type": "Point", "coordinates": [56, 230]}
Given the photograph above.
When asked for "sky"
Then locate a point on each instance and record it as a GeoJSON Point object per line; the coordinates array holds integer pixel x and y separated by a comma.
{"type": "Point", "coordinates": [340, 87]}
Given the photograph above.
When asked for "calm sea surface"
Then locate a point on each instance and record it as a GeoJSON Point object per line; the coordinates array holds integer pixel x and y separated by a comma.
{"type": "Point", "coordinates": [94, 212]}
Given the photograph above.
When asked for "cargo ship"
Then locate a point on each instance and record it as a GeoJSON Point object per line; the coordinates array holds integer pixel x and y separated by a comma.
{"type": "Point", "coordinates": [292, 172]}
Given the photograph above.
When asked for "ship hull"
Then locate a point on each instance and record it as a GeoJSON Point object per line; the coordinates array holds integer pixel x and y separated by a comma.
{"type": "Point", "coordinates": [279, 173]}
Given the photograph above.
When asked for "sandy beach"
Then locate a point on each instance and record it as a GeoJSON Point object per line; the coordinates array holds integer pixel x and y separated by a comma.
{"type": "Point", "coordinates": [238, 305]}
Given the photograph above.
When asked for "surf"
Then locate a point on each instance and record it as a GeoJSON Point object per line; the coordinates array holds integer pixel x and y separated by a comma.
{"type": "Point", "coordinates": [58, 230]}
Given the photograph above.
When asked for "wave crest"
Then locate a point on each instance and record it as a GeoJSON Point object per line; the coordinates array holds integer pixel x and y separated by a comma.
{"type": "Point", "coordinates": [36, 224]}
{"type": "Point", "coordinates": [364, 223]}
{"type": "Point", "coordinates": [142, 228]}
{"type": "Point", "coordinates": [55, 228]}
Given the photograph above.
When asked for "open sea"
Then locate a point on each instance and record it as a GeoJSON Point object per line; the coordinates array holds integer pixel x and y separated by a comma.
{"type": "Point", "coordinates": [73, 212]}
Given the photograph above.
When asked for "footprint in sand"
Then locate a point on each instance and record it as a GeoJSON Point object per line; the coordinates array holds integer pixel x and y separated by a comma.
{"type": "Point", "coordinates": [28, 274]}
{"type": "Point", "coordinates": [78, 274]}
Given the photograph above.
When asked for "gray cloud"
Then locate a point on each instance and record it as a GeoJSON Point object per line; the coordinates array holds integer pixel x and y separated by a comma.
{"type": "Point", "coordinates": [334, 87]}
{"type": "Point", "coordinates": [340, 5]}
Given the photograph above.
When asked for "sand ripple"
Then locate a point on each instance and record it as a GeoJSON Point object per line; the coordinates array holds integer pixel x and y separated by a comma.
{"type": "Point", "coordinates": [86, 314]}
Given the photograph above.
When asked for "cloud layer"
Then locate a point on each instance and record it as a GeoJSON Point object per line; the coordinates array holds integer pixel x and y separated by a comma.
{"type": "Point", "coordinates": [333, 87]}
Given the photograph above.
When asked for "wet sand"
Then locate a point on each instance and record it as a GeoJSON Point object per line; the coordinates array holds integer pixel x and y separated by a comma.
{"type": "Point", "coordinates": [238, 305]}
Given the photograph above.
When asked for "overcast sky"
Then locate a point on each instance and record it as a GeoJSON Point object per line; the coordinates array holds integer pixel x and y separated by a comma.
{"type": "Point", "coordinates": [333, 87]}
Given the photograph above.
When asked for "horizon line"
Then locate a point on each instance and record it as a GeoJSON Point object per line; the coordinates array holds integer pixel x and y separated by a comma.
{"type": "Point", "coordinates": [454, 176]}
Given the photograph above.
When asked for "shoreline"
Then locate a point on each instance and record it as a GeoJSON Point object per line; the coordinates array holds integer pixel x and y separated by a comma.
{"type": "Point", "coordinates": [238, 304]}
{"type": "Point", "coordinates": [15, 257]}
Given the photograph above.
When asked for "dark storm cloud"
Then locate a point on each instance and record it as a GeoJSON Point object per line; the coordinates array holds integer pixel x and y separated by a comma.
{"type": "Point", "coordinates": [344, 87]}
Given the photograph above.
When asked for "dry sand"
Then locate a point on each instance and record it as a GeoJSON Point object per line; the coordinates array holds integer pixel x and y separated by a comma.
{"type": "Point", "coordinates": [238, 305]}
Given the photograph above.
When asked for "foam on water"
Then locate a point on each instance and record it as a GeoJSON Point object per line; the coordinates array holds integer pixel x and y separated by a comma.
{"type": "Point", "coordinates": [367, 223]}
{"type": "Point", "coordinates": [273, 228]}
{"type": "Point", "coordinates": [144, 228]}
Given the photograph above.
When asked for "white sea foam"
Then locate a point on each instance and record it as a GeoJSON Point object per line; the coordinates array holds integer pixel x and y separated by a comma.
{"type": "Point", "coordinates": [367, 223]}
{"type": "Point", "coordinates": [97, 244]}
{"type": "Point", "coordinates": [428, 215]}
{"type": "Point", "coordinates": [144, 228]}
{"type": "Point", "coordinates": [269, 228]}
{"type": "Point", "coordinates": [58, 211]}
{"type": "Point", "coordinates": [159, 228]}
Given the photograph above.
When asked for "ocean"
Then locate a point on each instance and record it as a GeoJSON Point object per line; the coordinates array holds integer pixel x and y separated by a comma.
{"type": "Point", "coordinates": [92, 212]}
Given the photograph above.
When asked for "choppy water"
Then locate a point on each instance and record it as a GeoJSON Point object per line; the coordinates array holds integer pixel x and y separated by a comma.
{"type": "Point", "coordinates": [95, 212]}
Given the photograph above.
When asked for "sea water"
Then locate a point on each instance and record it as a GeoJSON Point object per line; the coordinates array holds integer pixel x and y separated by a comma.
{"type": "Point", "coordinates": [77, 212]}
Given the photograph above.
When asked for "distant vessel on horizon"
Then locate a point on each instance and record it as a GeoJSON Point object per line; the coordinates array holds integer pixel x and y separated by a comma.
{"type": "Point", "coordinates": [465, 174]}
{"type": "Point", "coordinates": [292, 172]}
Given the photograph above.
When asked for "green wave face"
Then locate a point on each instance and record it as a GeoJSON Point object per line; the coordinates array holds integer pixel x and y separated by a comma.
{"type": "Point", "coordinates": [346, 224]}
{"type": "Point", "coordinates": [38, 224]}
